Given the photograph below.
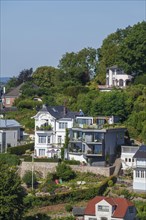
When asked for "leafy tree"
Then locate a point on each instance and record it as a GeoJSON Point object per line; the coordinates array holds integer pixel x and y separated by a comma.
{"type": "Point", "coordinates": [65, 172]}
{"type": "Point", "coordinates": [27, 178]}
{"type": "Point", "coordinates": [79, 67]}
{"type": "Point", "coordinates": [133, 49]}
{"type": "Point", "coordinates": [12, 194]}
{"type": "Point", "coordinates": [10, 159]}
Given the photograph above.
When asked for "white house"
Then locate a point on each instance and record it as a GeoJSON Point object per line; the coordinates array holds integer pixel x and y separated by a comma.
{"type": "Point", "coordinates": [117, 77]}
{"type": "Point", "coordinates": [10, 134]}
{"type": "Point", "coordinates": [50, 129]}
{"type": "Point", "coordinates": [127, 153]}
{"type": "Point", "coordinates": [139, 173]}
{"type": "Point", "coordinates": [106, 208]}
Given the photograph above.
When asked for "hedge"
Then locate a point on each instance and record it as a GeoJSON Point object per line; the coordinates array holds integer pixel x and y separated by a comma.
{"type": "Point", "coordinates": [19, 150]}
{"type": "Point", "coordinates": [50, 160]}
{"type": "Point", "coordinates": [67, 197]}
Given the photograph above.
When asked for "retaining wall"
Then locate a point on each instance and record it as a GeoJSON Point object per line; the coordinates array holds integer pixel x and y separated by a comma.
{"type": "Point", "coordinates": [44, 168]}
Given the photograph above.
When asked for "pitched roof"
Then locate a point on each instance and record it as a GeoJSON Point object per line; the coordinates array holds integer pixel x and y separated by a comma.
{"type": "Point", "coordinates": [59, 111]}
{"type": "Point", "coordinates": [78, 211]}
{"type": "Point", "coordinates": [15, 91]}
{"type": "Point", "coordinates": [121, 205]}
{"type": "Point", "coordinates": [141, 153]}
{"type": "Point", "coordinates": [8, 123]}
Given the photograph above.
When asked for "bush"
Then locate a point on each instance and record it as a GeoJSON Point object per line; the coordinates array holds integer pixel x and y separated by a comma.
{"type": "Point", "coordinates": [110, 183]}
{"type": "Point", "coordinates": [50, 160]}
{"type": "Point", "coordinates": [27, 178]}
{"type": "Point", "coordinates": [19, 150]}
{"type": "Point", "coordinates": [65, 172]}
{"type": "Point", "coordinates": [10, 159]}
{"type": "Point", "coordinates": [68, 207]}
{"type": "Point", "coordinates": [72, 162]}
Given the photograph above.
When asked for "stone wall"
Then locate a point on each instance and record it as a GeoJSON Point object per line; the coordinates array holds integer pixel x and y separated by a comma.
{"type": "Point", "coordinates": [44, 168]}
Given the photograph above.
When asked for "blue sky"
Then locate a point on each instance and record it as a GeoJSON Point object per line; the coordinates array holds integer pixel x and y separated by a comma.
{"type": "Point", "coordinates": [37, 33]}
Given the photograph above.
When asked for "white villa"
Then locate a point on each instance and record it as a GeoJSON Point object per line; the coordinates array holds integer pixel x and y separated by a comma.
{"type": "Point", "coordinates": [117, 77]}
{"type": "Point", "coordinates": [50, 129]}
{"type": "Point", "coordinates": [127, 153]}
{"type": "Point", "coordinates": [139, 173]}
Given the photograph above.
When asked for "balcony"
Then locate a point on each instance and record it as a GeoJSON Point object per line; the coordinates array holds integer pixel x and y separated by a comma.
{"type": "Point", "coordinates": [44, 128]}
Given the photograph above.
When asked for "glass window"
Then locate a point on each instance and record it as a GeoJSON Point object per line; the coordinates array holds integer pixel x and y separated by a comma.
{"type": "Point", "coordinates": [49, 139]}
{"type": "Point", "coordinates": [63, 125]}
{"type": "Point", "coordinates": [142, 174]}
{"type": "Point", "coordinates": [59, 139]}
{"type": "Point", "coordinates": [7, 101]}
{"type": "Point", "coordinates": [129, 159]}
{"type": "Point", "coordinates": [137, 173]}
{"type": "Point", "coordinates": [103, 208]}
{"type": "Point", "coordinates": [42, 139]}
{"type": "Point", "coordinates": [41, 152]}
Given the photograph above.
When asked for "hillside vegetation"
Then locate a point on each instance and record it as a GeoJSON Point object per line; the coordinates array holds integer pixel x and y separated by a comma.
{"type": "Point", "coordinates": [75, 82]}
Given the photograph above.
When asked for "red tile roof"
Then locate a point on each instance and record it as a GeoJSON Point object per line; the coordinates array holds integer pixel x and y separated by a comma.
{"type": "Point", "coordinates": [121, 205]}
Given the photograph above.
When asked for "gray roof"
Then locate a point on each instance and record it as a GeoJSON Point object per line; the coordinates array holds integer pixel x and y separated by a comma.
{"type": "Point", "coordinates": [78, 211]}
{"type": "Point", "coordinates": [15, 92]}
{"type": "Point", "coordinates": [59, 112]}
{"type": "Point", "coordinates": [9, 123]}
{"type": "Point", "coordinates": [141, 153]}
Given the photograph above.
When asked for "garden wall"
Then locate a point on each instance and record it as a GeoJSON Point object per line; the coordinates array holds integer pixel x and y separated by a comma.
{"type": "Point", "coordinates": [44, 168]}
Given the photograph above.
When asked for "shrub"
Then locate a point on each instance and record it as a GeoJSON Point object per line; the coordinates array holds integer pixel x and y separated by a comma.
{"type": "Point", "coordinates": [110, 183]}
{"type": "Point", "coordinates": [19, 150]}
{"type": "Point", "coordinates": [65, 172]}
{"type": "Point", "coordinates": [27, 178]}
{"type": "Point", "coordinates": [72, 162]}
{"type": "Point", "coordinates": [68, 207]}
{"type": "Point", "coordinates": [10, 159]}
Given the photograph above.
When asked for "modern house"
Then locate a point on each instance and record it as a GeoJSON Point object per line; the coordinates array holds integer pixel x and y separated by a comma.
{"type": "Point", "coordinates": [139, 173]}
{"type": "Point", "coordinates": [127, 153]}
{"type": "Point", "coordinates": [50, 129]}
{"type": "Point", "coordinates": [117, 77]}
{"type": "Point", "coordinates": [10, 134]}
{"type": "Point", "coordinates": [107, 208]}
{"type": "Point", "coordinates": [93, 145]}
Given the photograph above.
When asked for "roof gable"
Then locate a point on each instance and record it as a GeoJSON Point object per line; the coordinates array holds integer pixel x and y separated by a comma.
{"type": "Point", "coordinates": [141, 153]}
{"type": "Point", "coordinates": [121, 206]}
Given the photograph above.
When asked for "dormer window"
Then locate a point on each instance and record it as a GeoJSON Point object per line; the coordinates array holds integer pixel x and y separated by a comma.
{"type": "Point", "coordinates": [103, 208]}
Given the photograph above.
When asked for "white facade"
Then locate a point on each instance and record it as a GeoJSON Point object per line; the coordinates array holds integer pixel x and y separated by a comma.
{"type": "Point", "coordinates": [139, 173]}
{"type": "Point", "coordinates": [127, 153]}
{"type": "Point", "coordinates": [50, 133]}
{"type": "Point", "coordinates": [117, 77]}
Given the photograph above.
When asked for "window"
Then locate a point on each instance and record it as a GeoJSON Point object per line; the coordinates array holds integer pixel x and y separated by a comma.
{"type": "Point", "coordinates": [63, 125]}
{"type": "Point", "coordinates": [41, 152]}
{"type": "Point", "coordinates": [129, 159]}
{"type": "Point", "coordinates": [59, 139]}
{"type": "Point", "coordinates": [42, 139]}
{"type": "Point", "coordinates": [49, 139]}
{"type": "Point", "coordinates": [125, 159]}
{"type": "Point", "coordinates": [7, 101]}
{"type": "Point", "coordinates": [103, 208]}
{"type": "Point", "coordinates": [92, 218]}
{"type": "Point", "coordinates": [137, 173]}
{"type": "Point", "coordinates": [142, 174]}
{"type": "Point", "coordinates": [104, 218]}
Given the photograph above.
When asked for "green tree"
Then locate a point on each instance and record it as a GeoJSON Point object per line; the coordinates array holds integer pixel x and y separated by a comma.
{"type": "Point", "coordinates": [12, 194]}
{"type": "Point", "coordinates": [64, 172]}
{"type": "Point", "coordinates": [27, 178]}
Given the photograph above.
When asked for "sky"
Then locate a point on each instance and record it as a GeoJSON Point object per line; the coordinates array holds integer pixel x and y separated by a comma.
{"type": "Point", "coordinates": [38, 33]}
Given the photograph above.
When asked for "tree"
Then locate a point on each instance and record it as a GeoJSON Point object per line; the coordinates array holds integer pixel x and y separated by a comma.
{"type": "Point", "coordinates": [64, 172]}
{"type": "Point", "coordinates": [133, 49]}
{"type": "Point", "coordinates": [27, 178]}
{"type": "Point", "coordinates": [12, 194]}
{"type": "Point", "coordinates": [79, 67]}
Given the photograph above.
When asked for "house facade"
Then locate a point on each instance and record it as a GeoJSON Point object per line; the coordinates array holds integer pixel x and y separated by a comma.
{"type": "Point", "coordinates": [127, 153]}
{"type": "Point", "coordinates": [117, 77]}
{"type": "Point", "coordinates": [50, 130]}
{"type": "Point", "coordinates": [92, 145]}
{"type": "Point", "coordinates": [139, 173]}
{"type": "Point", "coordinates": [10, 134]}
{"type": "Point", "coordinates": [106, 208]}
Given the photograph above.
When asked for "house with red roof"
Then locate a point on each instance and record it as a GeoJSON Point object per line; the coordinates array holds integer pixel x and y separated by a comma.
{"type": "Point", "coordinates": [107, 208]}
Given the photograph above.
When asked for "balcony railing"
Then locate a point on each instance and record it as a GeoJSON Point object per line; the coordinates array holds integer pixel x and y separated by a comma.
{"type": "Point", "coordinates": [44, 128]}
